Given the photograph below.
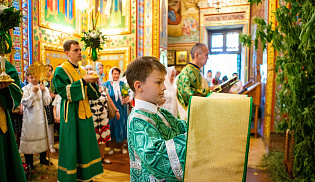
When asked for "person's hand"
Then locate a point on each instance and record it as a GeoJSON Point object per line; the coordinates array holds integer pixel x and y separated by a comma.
{"type": "Point", "coordinates": [88, 79]}
{"type": "Point", "coordinates": [21, 109]}
{"type": "Point", "coordinates": [4, 84]}
{"type": "Point", "coordinates": [117, 115]}
{"type": "Point", "coordinates": [35, 88]}
{"type": "Point", "coordinates": [125, 99]}
{"type": "Point", "coordinates": [57, 119]}
{"type": "Point", "coordinates": [42, 87]}
{"type": "Point", "coordinates": [52, 95]}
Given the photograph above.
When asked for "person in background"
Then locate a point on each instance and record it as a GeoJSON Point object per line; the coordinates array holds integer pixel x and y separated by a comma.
{"type": "Point", "coordinates": [49, 108]}
{"type": "Point", "coordinates": [237, 87]}
{"type": "Point", "coordinates": [11, 169]}
{"type": "Point", "coordinates": [100, 73]}
{"type": "Point", "coordinates": [224, 78]}
{"type": "Point", "coordinates": [33, 138]}
{"type": "Point", "coordinates": [209, 78]}
{"type": "Point", "coordinates": [118, 127]}
{"type": "Point", "coordinates": [25, 81]}
{"type": "Point", "coordinates": [216, 80]}
{"type": "Point", "coordinates": [88, 68]}
{"type": "Point", "coordinates": [170, 103]}
{"type": "Point", "coordinates": [56, 109]}
{"type": "Point", "coordinates": [99, 109]}
{"type": "Point", "coordinates": [190, 82]}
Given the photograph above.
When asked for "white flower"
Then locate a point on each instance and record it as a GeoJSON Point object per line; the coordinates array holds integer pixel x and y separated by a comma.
{"type": "Point", "coordinates": [93, 34]}
{"type": "Point", "coordinates": [101, 40]}
{"type": "Point", "coordinates": [2, 7]}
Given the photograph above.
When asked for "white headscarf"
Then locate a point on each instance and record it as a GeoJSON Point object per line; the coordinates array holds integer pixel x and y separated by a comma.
{"type": "Point", "coordinates": [116, 85]}
{"type": "Point", "coordinates": [170, 92]}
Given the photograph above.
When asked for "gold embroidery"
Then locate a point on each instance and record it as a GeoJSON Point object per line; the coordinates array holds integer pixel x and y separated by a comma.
{"type": "Point", "coordinates": [66, 119]}
{"type": "Point", "coordinates": [89, 164]}
{"type": "Point", "coordinates": [68, 171]}
{"type": "Point", "coordinates": [94, 90]}
{"type": "Point", "coordinates": [3, 120]}
{"type": "Point", "coordinates": [68, 93]}
{"type": "Point", "coordinates": [17, 87]}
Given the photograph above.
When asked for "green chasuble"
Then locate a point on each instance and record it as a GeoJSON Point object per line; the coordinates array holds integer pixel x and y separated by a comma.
{"type": "Point", "coordinates": [11, 169]}
{"type": "Point", "coordinates": [190, 83]}
{"type": "Point", "coordinates": [157, 145]}
{"type": "Point", "coordinates": [79, 156]}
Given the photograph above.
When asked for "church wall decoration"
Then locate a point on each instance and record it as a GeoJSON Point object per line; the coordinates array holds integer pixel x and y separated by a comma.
{"type": "Point", "coordinates": [163, 23]}
{"type": "Point", "coordinates": [19, 56]}
{"type": "Point", "coordinates": [183, 21]}
{"type": "Point", "coordinates": [181, 57]}
{"type": "Point", "coordinates": [114, 16]}
{"type": "Point", "coordinates": [61, 15]}
{"type": "Point", "coordinates": [231, 15]}
{"type": "Point", "coordinates": [140, 25]}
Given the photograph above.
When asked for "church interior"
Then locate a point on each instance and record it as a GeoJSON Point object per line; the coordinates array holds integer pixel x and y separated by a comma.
{"type": "Point", "coordinates": [279, 150]}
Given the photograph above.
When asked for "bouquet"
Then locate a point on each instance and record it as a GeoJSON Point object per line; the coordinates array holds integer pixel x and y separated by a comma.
{"type": "Point", "coordinates": [124, 90]}
{"type": "Point", "coordinates": [94, 40]}
{"type": "Point", "coordinates": [9, 18]}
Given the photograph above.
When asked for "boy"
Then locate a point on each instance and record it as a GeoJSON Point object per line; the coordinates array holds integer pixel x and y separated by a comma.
{"type": "Point", "coordinates": [33, 137]}
{"type": "Point", "coordinates": [49, 108]}
{"type": "Point", "coordinates": [156, 139]}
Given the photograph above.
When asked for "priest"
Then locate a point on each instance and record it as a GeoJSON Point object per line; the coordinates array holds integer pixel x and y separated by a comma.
{"type": "Point", "coordinates": [11, 169]}
{"type": "Point", "coordinates": [79, 156]}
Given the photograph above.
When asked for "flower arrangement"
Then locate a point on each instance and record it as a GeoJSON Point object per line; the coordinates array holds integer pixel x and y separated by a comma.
{"type": "Point", "coordinates": [9, 18]}
{"type": "Point", "coordinates": [125, 90]}
{"type": "Point", "coordinates": [94, 40]}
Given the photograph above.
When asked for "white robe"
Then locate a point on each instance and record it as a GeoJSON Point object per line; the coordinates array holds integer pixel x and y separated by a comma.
{"type": "Point", "coordinates": [33, 137]}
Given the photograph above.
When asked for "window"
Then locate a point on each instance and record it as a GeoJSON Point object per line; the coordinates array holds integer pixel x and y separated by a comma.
{"type": "Point", "coordinates": [224, 41]}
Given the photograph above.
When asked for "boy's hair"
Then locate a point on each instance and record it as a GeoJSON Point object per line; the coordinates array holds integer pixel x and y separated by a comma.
{"type": "Point", "coordinates": [209, 71]}
{"type": "Point", "coordinates": [141, 68]}
{"type": "Point", "coordinates": [27, 72]}
{"type": "Point", "coordinates": [100, 64]}
{"type": "Point", "coordinates": [49, 65]}
{"type": "Point", "coordinates": [67, 44]}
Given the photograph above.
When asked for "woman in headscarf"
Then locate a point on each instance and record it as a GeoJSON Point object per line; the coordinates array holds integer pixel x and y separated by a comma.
{"type": "Point", "coordinates": [118, 127]}
{"type": "Point", "coordinates": [170, 103]}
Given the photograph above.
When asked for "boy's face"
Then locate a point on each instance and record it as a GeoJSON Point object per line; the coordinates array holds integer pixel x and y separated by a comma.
{"type": "Point", "coordinates": [153, 89]}
{"type": "Point", "coordinates": [33, 80]}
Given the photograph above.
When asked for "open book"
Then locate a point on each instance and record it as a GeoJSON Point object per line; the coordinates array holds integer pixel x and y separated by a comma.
{"type": "Point", "coordinates": [225, 86]}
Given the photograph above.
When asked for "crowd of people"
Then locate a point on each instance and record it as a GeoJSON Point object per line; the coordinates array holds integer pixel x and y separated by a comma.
{"type": "Point", "coordinates": [216, 81]}
{"type": "Point", "coordinates": [77, 104]}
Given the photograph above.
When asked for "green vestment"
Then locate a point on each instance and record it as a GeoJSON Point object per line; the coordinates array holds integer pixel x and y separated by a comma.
{"type": "Point", "coordinates": [11, 169]}
{"type": "Point", "coordinates": [190, 83]}
{"type": "Point", "coordinates": [79, 156]}
{"type": "Point", "coordinates": [157, 145]}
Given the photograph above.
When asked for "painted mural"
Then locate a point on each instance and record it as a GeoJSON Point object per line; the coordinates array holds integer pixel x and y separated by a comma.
{"type": "Point", "coordinates": [183, 21]}
{"type": "Point", "coordinates": [163, 28]}
{"type": "Point", "coordinates": [112, 14]}
{"type": "Point", "coordinates": [61, 12]}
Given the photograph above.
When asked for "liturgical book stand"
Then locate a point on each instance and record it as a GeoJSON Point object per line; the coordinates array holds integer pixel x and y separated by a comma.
{"type": "Point", "coordinates": [218, 138]}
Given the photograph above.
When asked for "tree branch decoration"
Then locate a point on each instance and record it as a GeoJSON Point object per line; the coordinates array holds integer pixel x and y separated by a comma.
{"type": "Point", "coordinates": [294, 40]}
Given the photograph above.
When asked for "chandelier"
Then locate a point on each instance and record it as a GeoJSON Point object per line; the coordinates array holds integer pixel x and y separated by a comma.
{"type": "Point", "coordinates": [218, 4]}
